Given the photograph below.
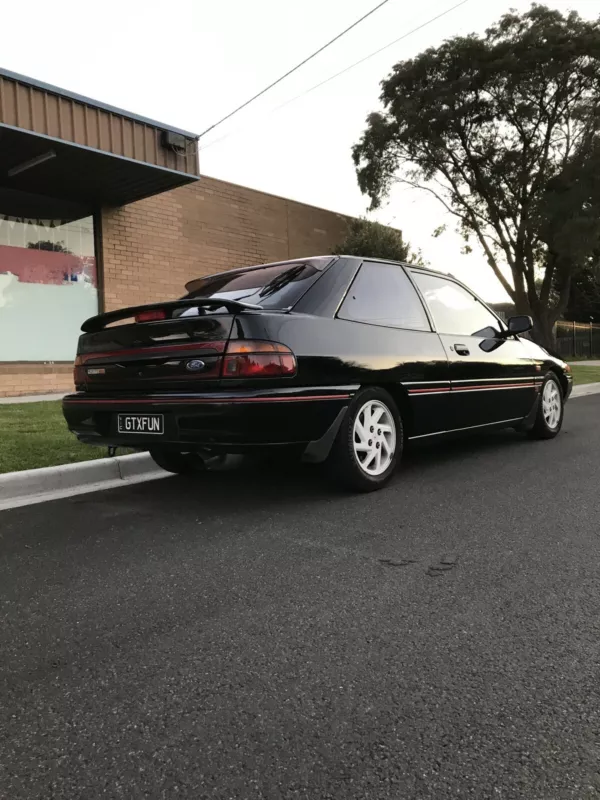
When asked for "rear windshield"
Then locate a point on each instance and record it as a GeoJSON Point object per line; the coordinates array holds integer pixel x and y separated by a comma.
{"type": "Point", "coordinates": [272, 286]}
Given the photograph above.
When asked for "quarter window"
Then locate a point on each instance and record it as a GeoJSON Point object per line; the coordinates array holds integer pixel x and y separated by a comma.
{"type": "Point", "coordinates": [382, 294]}
{"type": "Point", "coordinates": [454, 310]}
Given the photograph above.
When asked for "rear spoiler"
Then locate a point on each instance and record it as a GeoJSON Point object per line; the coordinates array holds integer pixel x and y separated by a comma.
{"type": "Point", "coordinates": [97, 323]}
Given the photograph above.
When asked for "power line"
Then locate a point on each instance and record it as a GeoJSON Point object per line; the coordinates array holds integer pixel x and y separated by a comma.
{"type": "Point", "coordinates": [347, 69]}
{"type": "Point", "coordinates": [289, 72]}
{"type": "Point", "coordinates": [371, 55]}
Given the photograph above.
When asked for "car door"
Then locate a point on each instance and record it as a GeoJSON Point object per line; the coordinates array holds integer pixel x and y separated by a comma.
{"type": "Point", "coordinates": [386, 338]}
{"type": "Point", "coordinates": [492, 376]}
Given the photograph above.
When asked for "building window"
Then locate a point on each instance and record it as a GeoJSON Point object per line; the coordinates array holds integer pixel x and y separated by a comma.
{"type": "Point", "coordinates": [48, 286]}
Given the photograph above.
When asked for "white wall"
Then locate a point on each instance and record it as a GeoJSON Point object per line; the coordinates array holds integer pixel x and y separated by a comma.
{"type": "Point", "coordinates": [42, 322]}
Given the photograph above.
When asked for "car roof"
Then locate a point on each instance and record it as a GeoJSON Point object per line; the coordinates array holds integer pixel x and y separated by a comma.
{"type": "Point", "coordinates": [418, 267]}
{"type": "Point", "coordinates": [324, 260]}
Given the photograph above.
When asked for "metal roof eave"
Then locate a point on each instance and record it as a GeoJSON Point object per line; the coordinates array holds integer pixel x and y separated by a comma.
{"type": "Point", "coordinates": [55, 90]}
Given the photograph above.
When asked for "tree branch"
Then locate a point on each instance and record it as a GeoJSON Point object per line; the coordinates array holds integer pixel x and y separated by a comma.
{"type": "Point", "coordinates": [425, 188]}
{"type": "Point", "coordinates": [470, 220]}
{"type": "Point", "coordinates": [492, 261]}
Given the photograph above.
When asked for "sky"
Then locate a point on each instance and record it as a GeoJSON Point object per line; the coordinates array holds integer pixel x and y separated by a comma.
{"type": "Point", "coordinates": [190, 63]}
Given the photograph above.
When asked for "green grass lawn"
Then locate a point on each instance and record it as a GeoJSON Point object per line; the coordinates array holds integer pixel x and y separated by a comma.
{"type": "Point", "coordinates": [35, 435]}
{"type": "Point", "coordinates": [583, 374]}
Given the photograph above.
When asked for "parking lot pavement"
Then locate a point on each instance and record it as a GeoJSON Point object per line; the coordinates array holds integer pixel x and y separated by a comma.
{"type": "Point", "coordinates": [264, 636]}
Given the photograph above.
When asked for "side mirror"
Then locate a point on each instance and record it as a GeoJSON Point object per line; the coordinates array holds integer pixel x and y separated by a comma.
{"type": "Point", "coordinates": [520, 324]}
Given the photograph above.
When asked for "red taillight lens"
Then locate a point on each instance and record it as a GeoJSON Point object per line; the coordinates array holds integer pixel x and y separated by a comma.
{"type": "Point", "coordinates": [78, 372]}
{"type": "Point", "coordinates": [150, 316]}
{"type": "Point", "coordinates": [250, 359]}
{"type": "Point", "coordinates": [256, 365]}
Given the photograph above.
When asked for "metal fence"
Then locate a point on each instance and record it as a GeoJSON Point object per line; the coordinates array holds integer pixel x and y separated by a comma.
{"type": "Point", "coordinates": [577, 339]}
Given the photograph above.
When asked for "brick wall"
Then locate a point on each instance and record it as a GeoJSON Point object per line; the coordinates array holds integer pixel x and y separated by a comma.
{"type": "Point", "coordinates": [153, 247]}
{"type": "Point", "coordinates": [17, 379]}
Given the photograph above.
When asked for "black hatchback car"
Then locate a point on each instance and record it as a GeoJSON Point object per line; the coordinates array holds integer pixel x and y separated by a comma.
{"type": "Point", "coordinates": [338, 359]}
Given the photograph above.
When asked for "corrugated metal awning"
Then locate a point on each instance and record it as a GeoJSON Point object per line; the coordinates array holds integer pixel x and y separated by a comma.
{"type": "Point", "coordinates": [56, 144]}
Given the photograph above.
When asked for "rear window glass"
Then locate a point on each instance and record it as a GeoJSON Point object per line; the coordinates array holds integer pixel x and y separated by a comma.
{"type": "Point", "coordinates": [272, 286]}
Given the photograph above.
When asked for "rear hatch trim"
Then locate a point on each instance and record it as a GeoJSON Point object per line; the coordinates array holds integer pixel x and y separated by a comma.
{"type": "Point", "coordinates": [168, 354]}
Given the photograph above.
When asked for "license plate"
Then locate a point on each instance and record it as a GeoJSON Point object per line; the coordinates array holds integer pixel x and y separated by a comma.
{"type": "Point", "coordinates": [141, 423]}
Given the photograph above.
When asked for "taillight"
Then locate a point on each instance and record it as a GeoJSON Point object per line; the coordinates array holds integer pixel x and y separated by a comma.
{"type": "Point", "coordinates": [250, 359]}
{"type": "Point", "coordinates": [78, 372]}
{"type": "Point", "coordinates": [151, 316]}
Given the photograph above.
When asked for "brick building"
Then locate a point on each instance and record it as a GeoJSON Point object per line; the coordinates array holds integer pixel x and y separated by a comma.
{"type": "Point", "coordinates": [100, 209]}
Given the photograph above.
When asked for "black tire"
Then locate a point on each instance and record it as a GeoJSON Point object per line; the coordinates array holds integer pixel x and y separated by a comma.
{"type": "Point", "coordinates": [541, 428]}
{"type": "Point", "coordinates": [184, 463]}
{"type": "Point", "coordinates": [343, 461]}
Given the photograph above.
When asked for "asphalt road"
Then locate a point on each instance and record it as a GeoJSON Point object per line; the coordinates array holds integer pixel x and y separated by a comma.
{"type": "Point", "coordinates": [264, 636]}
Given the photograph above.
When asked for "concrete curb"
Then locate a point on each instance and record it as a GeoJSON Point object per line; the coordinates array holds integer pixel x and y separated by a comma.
{"type": "Point", "coordinates": [586, 389]}
{"type": "Point", "coordinates": [51, 483]}
{"type": "Point", "coordinates": [30, 398]}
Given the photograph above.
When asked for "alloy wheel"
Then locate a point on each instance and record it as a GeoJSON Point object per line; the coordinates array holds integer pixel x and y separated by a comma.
{"type": "Point", "coordinates": [552, 404]}
{"type": "Point", "coordinates": [374, 437]}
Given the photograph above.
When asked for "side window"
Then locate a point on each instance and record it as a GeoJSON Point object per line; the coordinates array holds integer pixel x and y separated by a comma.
{"type": "Point", "coordinates": [382, 294]}
{"type": "Point", "coordinates": [453, 309]}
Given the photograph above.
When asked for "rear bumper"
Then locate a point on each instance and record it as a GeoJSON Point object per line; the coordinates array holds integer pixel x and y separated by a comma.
{"type": "Point", "coordinates": [229, 421]}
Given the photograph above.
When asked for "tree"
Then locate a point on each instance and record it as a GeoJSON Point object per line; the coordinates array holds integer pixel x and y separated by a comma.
{"type": "Point", "coordinates": [504, 130]}
{"type": "Point", "coordinates": [584, 299]}
{"type": "Point", "coordinates": [368, 238]}
{"type": "Point", "coordinates": [44, 244]}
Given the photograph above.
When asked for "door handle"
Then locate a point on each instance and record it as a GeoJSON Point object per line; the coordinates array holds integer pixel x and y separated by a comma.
{"type": "Point", "coordinates": [461, 350]}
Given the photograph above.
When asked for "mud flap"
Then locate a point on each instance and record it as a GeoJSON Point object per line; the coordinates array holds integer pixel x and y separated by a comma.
{"type": "Point", "coordinates": [316, 452]}
{"type": "Point", "coordinates": [529, 421]}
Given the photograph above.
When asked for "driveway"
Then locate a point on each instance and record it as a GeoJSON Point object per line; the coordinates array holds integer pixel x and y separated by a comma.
{"type": "Point", "coordinates": [263, 636]}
